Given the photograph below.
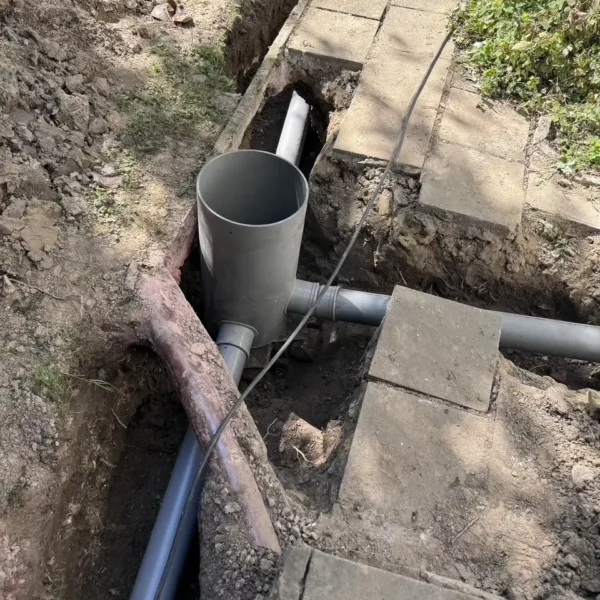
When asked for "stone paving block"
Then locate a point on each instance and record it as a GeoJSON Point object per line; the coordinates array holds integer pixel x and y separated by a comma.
{"type": "Point", "coordinates": [291, 580]}
{"type": "Point", "coordinates": [333, 578]}
{"type": "Point", "coordinates": [475, 123]}
{"type": "Point", "coordinates": [439, 6]}
{"type": "Point", "coordinates": [371, 10]}
{"type": "Point", "coordinates": [412, 31]}
{"type": "Point", "coordinates": [438, 347]}
{"type": "Point", "coordinates": [476, 186]}
{"type": "Point", "coordinates": [372, 123]}
{"type": "Point", "coordinates": [410, 454]}
{"type": "Point", "coordinates": [578, 204]}
{"type": "Point", "coordinates": [337, 36]}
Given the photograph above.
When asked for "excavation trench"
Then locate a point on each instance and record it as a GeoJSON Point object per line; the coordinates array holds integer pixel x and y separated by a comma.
{"type": "Point", "coordinates": [305, 407]}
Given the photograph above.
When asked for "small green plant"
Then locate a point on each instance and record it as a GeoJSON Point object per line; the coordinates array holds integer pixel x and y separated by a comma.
{"type": "Point", "coordinates": [545, 54]}
{"type": "Point", "coordinates": [180, 98]}
{"type": "Point", "coordinates": [52, 383]}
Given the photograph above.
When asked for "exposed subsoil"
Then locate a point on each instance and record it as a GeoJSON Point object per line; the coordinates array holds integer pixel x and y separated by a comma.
{"type": "Point", "coordinates": [302, 405]}
{"type": "Point", "coordinates": [110, 510]}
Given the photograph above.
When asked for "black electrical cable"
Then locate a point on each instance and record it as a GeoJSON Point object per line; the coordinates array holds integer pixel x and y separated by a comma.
{"type": "Point", "coordinates": [217, 436]}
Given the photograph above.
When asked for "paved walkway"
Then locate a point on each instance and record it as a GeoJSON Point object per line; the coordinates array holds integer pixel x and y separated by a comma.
{"type": "Point", "coordinates": [454, 464]}
{"type": "Point", "coordinates": [313, 575]}
{"type": "Point", "coordinates": [478, 160]}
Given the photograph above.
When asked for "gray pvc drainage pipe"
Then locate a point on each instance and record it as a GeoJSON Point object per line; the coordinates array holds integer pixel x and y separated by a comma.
{"type": "Point", "coordinates": [294, 130]}
{"type": "Point", "coordinates": [250, 235]}
{"type": "Point", "coordinates": [519, 332]}
{"type": "Point", "coordinates": [545, 336]}
{"type": "Point", "coordinates": [153, 581]}
{"type": "Point", "coordinates": [339, 304]}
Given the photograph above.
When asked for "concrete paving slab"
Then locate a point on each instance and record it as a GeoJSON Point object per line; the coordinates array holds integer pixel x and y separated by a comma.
{"type": "Point", "coordinates": [473, 185]}
{"type": "Point", "coordinates": [333, 578]}
{"type": "Point", "coordinates": [370, 10]}
{"type": "Point", "coordinates": [410, 455]}
{"type": "Point", "coordinates": [342, 38]}
{"type": "Point", "coordinates": [439, 6]}
{"type": "Point", "coordinates": [372, 123]}
{"type": "Point", "coordinates": [290, 584]}
{"type": "Point", "coordinates": [438, 347]}
{"type": "Point", "coordinates": [476, 123]}
{"type": "Point", "coordinates": [577, 203]}
{"type": "Point", "coordinates": [413, 31]}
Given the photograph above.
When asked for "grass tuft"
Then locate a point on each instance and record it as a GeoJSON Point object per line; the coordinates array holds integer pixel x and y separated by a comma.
{"type": "Point", "coordinates": [545, 54]}
{"type": "Point", "coordinates": [180, 98]}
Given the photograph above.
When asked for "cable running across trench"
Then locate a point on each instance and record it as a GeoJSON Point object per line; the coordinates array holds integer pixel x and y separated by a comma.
{"type": "Point", "coordinates": [368, 208]}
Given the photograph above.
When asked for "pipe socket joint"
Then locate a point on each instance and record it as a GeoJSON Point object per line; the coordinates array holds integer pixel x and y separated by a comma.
{"type": "Point", "coordinates": [305, 295]}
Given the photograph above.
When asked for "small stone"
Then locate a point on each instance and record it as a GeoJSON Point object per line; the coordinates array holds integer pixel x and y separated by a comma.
{"type": "Point", "coordinates": [161, 12]}
{"type": "Point", "coordinates": [266, 564]}
{"type": "Point", "coordinates": [74, 83]}
{"type": "Point", "coordinates": [182, 16]}
{"type": "Point", "coordinates": [594, 404]}
{"type": "Point", "coordinates": [98, 126]}
{"type": "Point", "coordinates": [572, 561]}
{"type": "Point", "coordinates": [231, 508]}
{"type": "Point", "coordinates": [588, 180]}
{"type": "Point", "coordinates": [74, 110]}
{"type": "Point", "coordinates": [36, 256]}
{"type": "Point", "coordinates": [72, 206]}
{"type": "Point", "coordinates": [16, 209]}
{"type": "Point", "coordinates": [24, 133]}
{"type": "Point", "coordinates": [102, 86]}
{"type": "Point", "coordinates": [581, 475]}
{"type": "Point", "coordinates": [9, 225]}
{"type": "Point", "coordinates": [7, 286]}
{"type": "Point", "coordinates": [39, 237]}
{"type": "Point", "coordinates": [198, 349]}
{"type": "Point", "coordinates": [108, 170]}
{"type": "Point", "coordinates": [110, 183]}
{"type": "Point", "coordinates": [543, 129]}
{"type": "Point", "coordinates": [53, 50]}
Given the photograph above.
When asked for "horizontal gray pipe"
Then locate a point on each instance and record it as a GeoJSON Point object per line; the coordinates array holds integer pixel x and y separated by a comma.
{"type": "Point", "coordinates": [519, 332]}
{"type": "Point", "coordinates": [339, 304]}
{"type": "Point", "coordinates": [153, 581]}
{"type": "Point", "coordinates": [545, 336]}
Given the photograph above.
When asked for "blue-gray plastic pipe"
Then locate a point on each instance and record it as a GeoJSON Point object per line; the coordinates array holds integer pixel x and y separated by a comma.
{"type": "Point", "coordinates": [154, 581]}
{"type": "Point", "coordinates": [519, 332]}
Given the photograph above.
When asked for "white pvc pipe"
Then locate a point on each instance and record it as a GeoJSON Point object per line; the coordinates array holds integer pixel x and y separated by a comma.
{"type": "Point", "coordinates": [294, 130]}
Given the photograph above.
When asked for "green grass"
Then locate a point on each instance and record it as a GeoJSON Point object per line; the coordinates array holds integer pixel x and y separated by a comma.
{"type": "Point", "coordinates": [53, 384]}
{"type": "Point", "coordinates": [546, 55]}
{"type": "Point", "coordinates": [180, 98]}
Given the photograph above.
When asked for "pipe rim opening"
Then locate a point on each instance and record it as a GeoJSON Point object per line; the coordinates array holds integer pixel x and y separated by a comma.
{"type": "Point", "coordinates": [225, 194]}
